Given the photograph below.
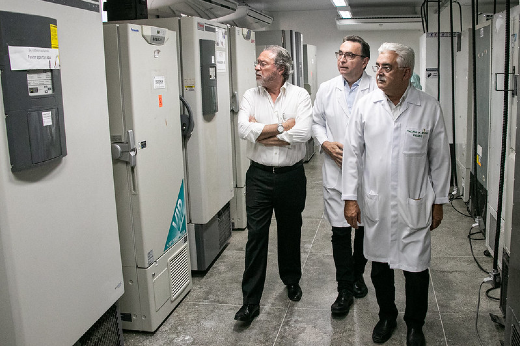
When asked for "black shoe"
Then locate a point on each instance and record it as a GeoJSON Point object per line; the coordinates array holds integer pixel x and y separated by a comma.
{"type": "Point", "coordinates": [294, 292]}
{"type": "Point", "coordinates": [247, 312]}
{"type": "Point", "coordinates": [383, 331]}
{"type": "Point", "coordinates": [342, 304]}
{"type": "Point", "coordinates": [415, 337]}
{"type": "Point", "coordinates": [360, 288]}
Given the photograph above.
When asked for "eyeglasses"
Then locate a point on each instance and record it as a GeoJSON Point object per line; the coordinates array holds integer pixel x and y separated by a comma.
{"type": "Point", "coordinates": [262, 64]}
{"type": "Point", "coordinates": [384, 68]}
{"type": "Point", "coordinates": [347, 55]}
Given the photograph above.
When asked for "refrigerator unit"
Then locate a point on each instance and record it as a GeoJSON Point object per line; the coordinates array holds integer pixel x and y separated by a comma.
{"type": "Point", "coordinates": [60, 266]}
{"type": "Point", "coordinates": [242, 57]}
{"type": "Point", "coordinates": [145, 132]}
{"type": "Point", "coordinates": [205, 85]}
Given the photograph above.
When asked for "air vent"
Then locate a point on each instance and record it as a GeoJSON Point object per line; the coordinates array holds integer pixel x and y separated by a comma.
{"type": "Point", "coordinates": [407, 22]}
{"type": "Point", "coordinates": [106, 331]}
{"type": "Point", "coordinates": [180, 272]}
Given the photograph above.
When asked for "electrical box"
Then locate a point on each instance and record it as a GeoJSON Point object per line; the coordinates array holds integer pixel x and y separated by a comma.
{"type": "Point", "coordinates": [208, 77]}
{"type": "Point", "coordinates": [31, 84]}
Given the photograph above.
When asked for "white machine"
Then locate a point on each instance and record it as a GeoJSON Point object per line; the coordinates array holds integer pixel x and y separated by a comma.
{"type": "Point", "coordinates": [495, 133]}
{"type": "Point", "coordinates": [430, 74]}
{"type": "Point", "coordinates": [464, 115]}
{"type": "Point", "coordinates": [205, 85]}
{"type": "Point", "coordinates": [145, 132]}
{"type": "Point", "coordinates": [243, 56]}
{"type": "Point", "coordinates": [310, 69]}
{"type": "Point", "coordinates": [60, 266]}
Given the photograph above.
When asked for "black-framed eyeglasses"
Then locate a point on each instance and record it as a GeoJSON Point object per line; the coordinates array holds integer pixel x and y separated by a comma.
{"type": "Point", "coordinates": [384, 68]}
{"type": "Point", "coordinates": [347, 55]}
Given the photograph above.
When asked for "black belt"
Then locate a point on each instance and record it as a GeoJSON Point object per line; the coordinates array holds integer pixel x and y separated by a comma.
{"type": "Point", "coordinates": [277, 169]}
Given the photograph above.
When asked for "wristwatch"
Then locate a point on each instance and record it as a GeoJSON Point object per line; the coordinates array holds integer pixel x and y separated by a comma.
{"type": "Point", "coordinates": [280, 127]}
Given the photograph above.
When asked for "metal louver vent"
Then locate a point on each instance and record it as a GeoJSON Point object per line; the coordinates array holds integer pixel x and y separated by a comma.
{"type": "Point", "coordinates": [106, 331]}
{"type": "Point", "coordinates": [179, 271]}
{"type": "Point", "coordinates": [515, 336]}
{"type": "Point", "coordinates": [224, 225]}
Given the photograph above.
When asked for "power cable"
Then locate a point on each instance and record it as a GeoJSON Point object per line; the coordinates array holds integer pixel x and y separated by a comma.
{"type": "Point", "coordinates": [471, 247]}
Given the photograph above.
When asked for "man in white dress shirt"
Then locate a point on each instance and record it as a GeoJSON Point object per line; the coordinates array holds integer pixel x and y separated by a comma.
{"type": "Point", "coordinates": [275, 118]}
{"type": "Point", "coordinates": [334, 103]}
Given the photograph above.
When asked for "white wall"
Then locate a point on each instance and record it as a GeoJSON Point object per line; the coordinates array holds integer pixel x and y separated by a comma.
{"type": "Point", "coordinates": [319, 29]}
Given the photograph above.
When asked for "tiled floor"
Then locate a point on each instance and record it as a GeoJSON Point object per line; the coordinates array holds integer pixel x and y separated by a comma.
{"type": "Point", "coordinates": [205, 316]}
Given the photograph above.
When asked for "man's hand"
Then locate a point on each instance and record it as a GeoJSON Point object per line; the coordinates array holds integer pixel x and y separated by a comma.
{"type": "Point", "coordinates": [334, 150]}
{"type": "Point", "coordinates": [289, 124]}
{"type": "Point", "coordinates": [436, 216]}
{"type": "Point", "coordinates": [252, 119]}
{"type": "Point", "coordinates": [352, 213]}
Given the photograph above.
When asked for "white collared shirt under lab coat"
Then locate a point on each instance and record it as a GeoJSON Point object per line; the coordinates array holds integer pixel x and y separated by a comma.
{"type": "Point", "coordinates": [406, 171]}
{"type": "Point", "coordinates": [330, 119]}
{"type": "Point", "coordinates": [292, 102]}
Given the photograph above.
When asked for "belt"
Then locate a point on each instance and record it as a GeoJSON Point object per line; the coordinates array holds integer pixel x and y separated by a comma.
{"type": "Point", "coordinates": [277, 169]}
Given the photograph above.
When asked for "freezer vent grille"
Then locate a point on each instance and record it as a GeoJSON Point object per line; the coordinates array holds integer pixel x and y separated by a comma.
{"type": "Point", "coordinates": [224, 225]}
{"type": "Point", "coordinates": [106, 331]}
{"type": "Point", "coordinates": [515, 336]}
{"type": "Point", "coordinates": [180, 273]}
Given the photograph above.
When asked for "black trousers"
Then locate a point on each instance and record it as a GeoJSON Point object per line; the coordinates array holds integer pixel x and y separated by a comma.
{"type": "Point", "coordinates": [350, 265]}
{"type": "Point", "coordinates": [284, 193]}
{"type": "Point", "coordinates": [416, 287]}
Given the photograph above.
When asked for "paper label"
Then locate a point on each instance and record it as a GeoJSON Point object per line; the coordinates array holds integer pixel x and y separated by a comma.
{"type": "Point", "coordinates": [47, 118]}
{"type": "Point", "coordinates": [33, 58]}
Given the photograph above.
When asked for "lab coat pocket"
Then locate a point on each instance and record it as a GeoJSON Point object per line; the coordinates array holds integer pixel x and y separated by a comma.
{"type": "Point", "coordinates": [416, 141]}
{"type": "Point", "coordinates": [419, 213]}
{"type": "Point", "coordinates": [371, 206]}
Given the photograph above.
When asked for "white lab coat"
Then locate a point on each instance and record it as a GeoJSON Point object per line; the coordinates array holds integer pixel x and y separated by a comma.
{"type": "Point", "coordinates": [330, 119]}
{"type": "Point", "coordinates": [406, 171]}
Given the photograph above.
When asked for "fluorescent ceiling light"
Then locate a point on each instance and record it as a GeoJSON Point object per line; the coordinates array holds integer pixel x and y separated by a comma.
{"type": "Point", "coordinates": [345, 14]}
{"type": "Point", "coordinates": [339, 3]}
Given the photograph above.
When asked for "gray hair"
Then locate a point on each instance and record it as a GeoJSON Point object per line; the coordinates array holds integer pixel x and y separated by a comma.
{"type": "Point", "coordinates": [282, 60]}
{"type": "Point", "coordinates": [405, 54]}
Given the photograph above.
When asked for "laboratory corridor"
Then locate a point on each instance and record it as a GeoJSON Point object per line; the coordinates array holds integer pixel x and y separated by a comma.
{"type": "Point", "coordinates": [205, 316]}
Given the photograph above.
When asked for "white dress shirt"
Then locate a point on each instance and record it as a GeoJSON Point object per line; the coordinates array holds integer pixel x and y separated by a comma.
{"type": "Point", "coordinates": [292, 102]}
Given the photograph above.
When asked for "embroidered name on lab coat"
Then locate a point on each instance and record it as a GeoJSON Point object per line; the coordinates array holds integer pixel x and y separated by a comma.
{"type": "Point", "coordinates": [418, 134]}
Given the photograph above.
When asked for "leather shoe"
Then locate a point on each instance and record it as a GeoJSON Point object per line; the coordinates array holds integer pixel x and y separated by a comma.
{"type": "Point", "coordinates": [415, 337]}
{"type": "Point", "coordinates": [342, 304]}
{"type": "Point", "coordinates": [383, 330]}
{"type": "Point", "coordinates": [247, 312]}
{"type": "Point", "coordinates": [360, 289]}
{"type": "Point", "coordinates": [294, 292]}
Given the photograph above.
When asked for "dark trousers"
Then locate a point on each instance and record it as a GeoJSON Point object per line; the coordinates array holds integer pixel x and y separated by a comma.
{"type": "Point", "coordinates": [416, 287]}
{"type": "Point", "coordinates": [350, 265]}
{"type": "Point", "coordinates": [284, 193]}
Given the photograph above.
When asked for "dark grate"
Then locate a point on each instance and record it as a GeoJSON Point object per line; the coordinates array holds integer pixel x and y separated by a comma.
{"type": "Point", "coordinates": [515, 336]}
{"type": "Point", "coordinates": [105, 332]}
{"type": "Point", "coordinates": [224, 225]}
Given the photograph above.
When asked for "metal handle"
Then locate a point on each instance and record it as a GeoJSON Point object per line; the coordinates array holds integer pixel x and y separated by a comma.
{"type": "Point", "coordinates": [234, 102]}
{"type": "Point", "coordinates": [125, 151]}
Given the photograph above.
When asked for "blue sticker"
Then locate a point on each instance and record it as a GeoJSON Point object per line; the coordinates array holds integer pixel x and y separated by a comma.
{"type": "Point", "coordinates": [178, 224]}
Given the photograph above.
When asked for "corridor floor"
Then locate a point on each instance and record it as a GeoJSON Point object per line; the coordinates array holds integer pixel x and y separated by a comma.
{"type": "Point", "coordinates": [205, 316]}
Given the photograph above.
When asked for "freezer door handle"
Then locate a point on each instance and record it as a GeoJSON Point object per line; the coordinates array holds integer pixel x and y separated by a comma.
{"type": "Point", "coordinates": [125, 151]}
{"type": "Point", "coordinates": [234, 102]}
